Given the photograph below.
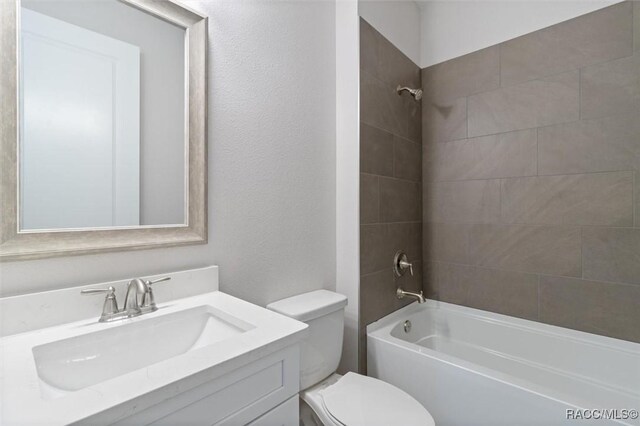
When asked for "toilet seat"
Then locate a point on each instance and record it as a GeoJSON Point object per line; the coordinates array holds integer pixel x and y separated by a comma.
{"type": "Point", "coordinates": [356, 400]}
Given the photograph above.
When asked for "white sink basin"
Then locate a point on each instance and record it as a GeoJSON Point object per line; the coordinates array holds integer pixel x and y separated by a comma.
{"type": "Point", "coordinates": [86, 372]}
{"type": "Point", "coordinates": [75, 363]}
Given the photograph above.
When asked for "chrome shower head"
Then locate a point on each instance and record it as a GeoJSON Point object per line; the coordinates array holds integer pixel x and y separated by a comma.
{"type": "Point", "coordinates": [416, 93]}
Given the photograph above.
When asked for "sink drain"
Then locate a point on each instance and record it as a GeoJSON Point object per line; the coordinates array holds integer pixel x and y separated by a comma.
{"type": "Point", "coordinates": [407, 326]}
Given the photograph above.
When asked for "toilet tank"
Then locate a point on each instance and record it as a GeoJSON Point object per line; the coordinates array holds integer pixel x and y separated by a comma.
{"type": "Point", "coordinates": [323, 312]}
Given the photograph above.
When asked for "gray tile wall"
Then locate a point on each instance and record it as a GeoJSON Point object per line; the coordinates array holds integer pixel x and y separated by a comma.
{"type": "Point", "coordinates": [390, 177]}
{"type": "Point", "coordinates": [531, 175]}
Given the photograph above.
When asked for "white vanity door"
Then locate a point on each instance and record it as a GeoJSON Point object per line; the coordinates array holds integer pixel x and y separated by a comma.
{"type": "Point", "coordinates": [80, 102]}
{"type": "Point", "coordinates": [285, 414]}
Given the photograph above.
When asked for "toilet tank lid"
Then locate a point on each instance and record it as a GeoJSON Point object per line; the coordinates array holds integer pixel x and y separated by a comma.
{"type": "Point", "coordinates": [308, 306]}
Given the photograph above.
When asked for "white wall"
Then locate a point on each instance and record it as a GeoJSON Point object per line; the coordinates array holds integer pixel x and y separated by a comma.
{"type": "Point", "coordinates": [398, 21]}
{"type": "Point", "coordinates": [271, 162]}
{"type": "Point", "coordinates": [454, 28]}
{"type": "Point", "coordinates": [348, 173]}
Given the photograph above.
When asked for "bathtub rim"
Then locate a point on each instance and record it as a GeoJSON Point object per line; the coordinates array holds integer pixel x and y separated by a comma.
{"type": "Point", "coordinates": [381, 331]}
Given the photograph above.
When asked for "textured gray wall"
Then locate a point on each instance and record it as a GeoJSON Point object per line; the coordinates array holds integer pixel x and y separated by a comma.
{"type": "Point", "coordinates": [531, 150]}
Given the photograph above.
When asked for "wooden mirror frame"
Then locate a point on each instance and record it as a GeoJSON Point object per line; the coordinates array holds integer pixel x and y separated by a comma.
{"type": "Point", "coordinates": [22, 245]}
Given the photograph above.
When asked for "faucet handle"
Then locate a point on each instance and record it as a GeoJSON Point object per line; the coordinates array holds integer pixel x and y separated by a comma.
{"type": "Point", "coordinates": [158, 280]}
{"type": "Point", "coordinates": [401, 264]}
{"type": "Point", "coordinates": [404, 265]}
{"type": "Point", "coordinates": [90, 291]}
{"type": "Point", "coordinates": [148, 300]}
{"type": "Point", "coordinates": [110, 306]}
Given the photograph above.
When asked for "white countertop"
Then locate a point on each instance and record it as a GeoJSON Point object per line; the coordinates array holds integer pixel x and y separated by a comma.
{"type": "Point", "coordinates": [22, 400]}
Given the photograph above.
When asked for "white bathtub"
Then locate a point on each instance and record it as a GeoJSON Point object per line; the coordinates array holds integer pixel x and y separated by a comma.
{"type": "Point", "coordinates": [470, 367]}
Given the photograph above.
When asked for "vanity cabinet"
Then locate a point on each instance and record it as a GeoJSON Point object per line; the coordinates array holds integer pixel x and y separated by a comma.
{"type": "Point", "coordinates": [263, 392]}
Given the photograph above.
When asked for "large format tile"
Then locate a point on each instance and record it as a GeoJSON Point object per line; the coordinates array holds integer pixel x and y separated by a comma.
{"type": "Point", "coordinates": [611, 254]}
{"type": "Point", "coordinates": [495, 156]}
{"type": "Point", "coordinates": [636, 207]}
{"type": "Point", "coordinates": [446, 242]}
{"type": "Point", "coordinates": [430, 286]}
{"type": "Point", "coordinates": [535, 249]}
{"type": "Point", "coordinates": [376, 151]}
{"type": "Point", "coordinates": [379, 57]}
{"type": "Point", "coordinates": [406, 237]}
{"type": "Point", "coordinates": [381, 107]}
{"type": "Point", "coordinates": [368, 47]}
{"type": "Point", "coordinates": [588, 39]}
{"type": "Point", "coordinates": [610, 88]}
{"type": "Point", "coordinates": [471, 201]}
{"type": "Point", "coordinates": [590, 199]}
{"type": "Point", "coordinates": [369, 199]}
{"type": "Point", "coordinates": [407, 159]}
{"type": "Point", "coordinates": [636, 26]}
{"type": "Point", "coordinates": [395, 67]}
{"type": "Point", "coordinates": [505, 292]}
{"type": "Point", "coordinates": [374, 248]}
{"type": "Point", "coordinates": [400, 200]}
{"type": "Point", "coordinates": [444, 120]}
{"type": "Point", "coordinates": [595, 307]}
{"type": "Point", "coordinates": [536, 103]}
{"type": "Point", "coordinates": [414, 131]}
{"type": "Point", "coordinates": [463, 76]}
{"type": "Point", "coordinates": [380, 242]}
{"type": "Point", "coordinates": [377, 296]}
{"type": "Point", "coordinates": [598, 145]}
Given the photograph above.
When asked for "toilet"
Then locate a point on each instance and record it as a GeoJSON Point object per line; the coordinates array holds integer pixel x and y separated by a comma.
{"type": "Point", "coordinates": [327, 398]}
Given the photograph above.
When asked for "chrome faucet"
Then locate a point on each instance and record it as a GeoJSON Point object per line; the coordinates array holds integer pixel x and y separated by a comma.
{"type": "Point", "coordinates": [131, 307]}
{"type": "Point", "coordinates": [136, 287]}
{"type": "Point", "coordinates": [400, 265]}
{"type": "Point", "coordinates": [401, 294]}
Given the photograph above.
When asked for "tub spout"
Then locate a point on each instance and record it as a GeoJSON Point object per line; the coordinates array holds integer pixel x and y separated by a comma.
{"type": "Point", "coordinates": [401, 294]}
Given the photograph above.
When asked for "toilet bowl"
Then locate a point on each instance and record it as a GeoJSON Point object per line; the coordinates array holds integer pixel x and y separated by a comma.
{"type": "Point", "coordinates": [327, 398]}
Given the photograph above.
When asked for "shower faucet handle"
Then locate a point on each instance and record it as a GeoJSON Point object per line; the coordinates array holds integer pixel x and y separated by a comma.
{"type": "Point", "coordinates": [401, 264]}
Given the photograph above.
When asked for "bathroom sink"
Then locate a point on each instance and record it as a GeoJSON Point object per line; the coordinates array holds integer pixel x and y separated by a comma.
{"type": "Point", "coordinates": [90, 372]}
{"type": "Point", "coordinates": [75, 363]}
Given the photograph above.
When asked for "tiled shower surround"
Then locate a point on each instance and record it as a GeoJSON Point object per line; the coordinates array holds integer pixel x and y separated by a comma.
{"type": "Point", "coordinates": [531, 175]}
{"type": "Point", "coordinates": [390, 177]}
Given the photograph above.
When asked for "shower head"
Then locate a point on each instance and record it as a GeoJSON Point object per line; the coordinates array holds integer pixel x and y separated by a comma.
{"type": "Point", "coordinates": [416, 93]}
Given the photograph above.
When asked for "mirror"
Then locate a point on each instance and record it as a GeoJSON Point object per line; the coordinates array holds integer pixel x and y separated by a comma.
{"type": "Point", "coordinates": [102, 116]}
{"type": "Point", "coordinates": [106, 147]}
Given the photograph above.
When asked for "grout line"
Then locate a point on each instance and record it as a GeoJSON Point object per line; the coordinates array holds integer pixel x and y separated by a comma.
{"type": "Point", "coordinates": [393, 158]}
{"type": "Point", "coordinates": [530, 176]}
{"type": "Point", "coordinates": [539, 274]}
{"type": "Point", "coordinates": [413, 222]}
{"type": "Point", "coordinates": [538, 296]}
{"type": "Point", "coordinates": [466, 106]}
{"type": "Point", "coordinates": [581, 253]}
{"type": "Point", "coordinates": [526, 128]}
{"type": "Point", "coordinates": [532, 225]}
{"type": "Point", "coordinates": [379, 201]}
{"type": "Point", "coordinates": [501, 216]}
{"type": "Point", "coordinates": [563, 123]}
{"type": "Point", "coordinates": [391, 177]}
{"type": "Point", "coordinates": [547, 76]}
{"type": "Point", "coordinates": [579, 93]}
{"type": "Point", "coordinates": [500, 64]}
{"type": "Point", "coordinates": [537, 153]}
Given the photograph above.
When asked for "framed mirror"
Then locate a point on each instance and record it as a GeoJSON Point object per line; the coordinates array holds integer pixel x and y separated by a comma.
{"type": "Point", "coordinates": [103, 126]}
